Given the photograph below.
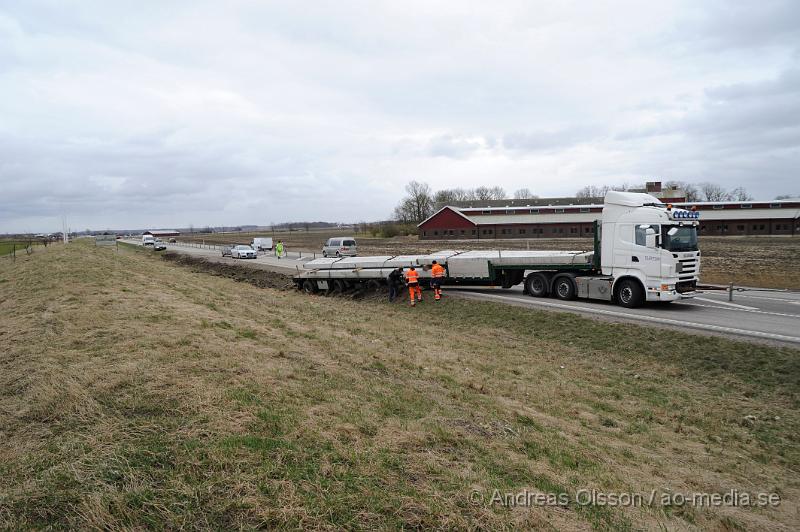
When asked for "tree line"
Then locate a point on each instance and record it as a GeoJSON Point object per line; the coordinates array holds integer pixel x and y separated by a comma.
{"type": "Point", "coordinates": [421, 201]}
{"type": "Point", "coordinates": [706, 191]}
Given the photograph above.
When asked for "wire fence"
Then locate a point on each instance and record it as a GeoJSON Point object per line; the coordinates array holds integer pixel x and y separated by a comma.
{"type": "Point", "coordinates": [10, 250]}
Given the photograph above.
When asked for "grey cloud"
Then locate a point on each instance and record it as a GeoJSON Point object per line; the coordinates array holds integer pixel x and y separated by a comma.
{"type": "Point", "coordinates": [201, 112]}
{"type": "Point", "coordinates": [550, 140]}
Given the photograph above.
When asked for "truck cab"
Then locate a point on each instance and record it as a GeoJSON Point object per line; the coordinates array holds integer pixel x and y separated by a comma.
{"type": "Point", "coordinates": [648, 248]}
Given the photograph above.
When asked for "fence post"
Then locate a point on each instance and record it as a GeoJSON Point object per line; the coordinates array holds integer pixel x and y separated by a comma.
{"type": "Point", "coordinates": [730, 291]}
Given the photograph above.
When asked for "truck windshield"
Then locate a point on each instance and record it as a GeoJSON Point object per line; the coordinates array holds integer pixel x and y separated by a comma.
{"type": "Point", "coordinates": [680, 237]}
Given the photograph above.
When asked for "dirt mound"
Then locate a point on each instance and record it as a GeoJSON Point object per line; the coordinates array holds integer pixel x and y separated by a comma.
{"type": "Point", "coordinates": [244, 274]}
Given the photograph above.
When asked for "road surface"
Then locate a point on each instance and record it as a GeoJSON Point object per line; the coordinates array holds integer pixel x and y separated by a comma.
{"type": "Point", "coordinates": [768, 316]}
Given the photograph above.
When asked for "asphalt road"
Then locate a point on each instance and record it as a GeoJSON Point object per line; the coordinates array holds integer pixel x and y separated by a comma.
{"type": "Point", "coordinates": [768, 316]}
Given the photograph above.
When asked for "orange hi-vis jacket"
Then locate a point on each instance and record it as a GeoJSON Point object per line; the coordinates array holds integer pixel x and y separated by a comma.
{"type": "Point", "coordinates": [437, 271]}
{"type": "Point", "coordinates": [412, 277]}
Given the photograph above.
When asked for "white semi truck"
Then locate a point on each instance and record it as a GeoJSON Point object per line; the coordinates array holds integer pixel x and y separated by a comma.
{"type": "Point", "coordinates": [644, 250]}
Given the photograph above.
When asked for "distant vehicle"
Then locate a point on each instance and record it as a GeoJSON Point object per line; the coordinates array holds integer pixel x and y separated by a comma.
{"type": "Point", "coordinates": [226, 250]}
{"type": "Point", "coordinates": [340, 247]}
{"type": "Point", "coordinates": [158, 245]}
{"type": "Point", "coordinates": [243, 252]}
{"type": "Point", "coordinates": [172, 241]}
{"type": "Point", "coordinates": [148, 240]}
{"type": "Point", "coordinates": [262, 244]}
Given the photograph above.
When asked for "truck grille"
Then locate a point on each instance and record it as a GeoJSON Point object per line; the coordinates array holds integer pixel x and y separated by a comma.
{"type": "Point", "coordinates": [689, 269]}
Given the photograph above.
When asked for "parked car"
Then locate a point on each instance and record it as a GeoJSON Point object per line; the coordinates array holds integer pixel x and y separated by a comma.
{"type": "Point", "coordinates": [340, 247]}
{"type": "Point", "coordinates": [243, 252]}
{"type": "Point", "coordinates": [226, 250]}
{"type": "Point", "coordinates": [158, 245]}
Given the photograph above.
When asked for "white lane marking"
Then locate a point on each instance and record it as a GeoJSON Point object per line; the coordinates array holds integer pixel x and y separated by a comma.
{"type": "Point", "coordinates": [742, 307]}
{"type": "Point", "coordinates": [640, 317]}
{"type": "Point", "coordinates": [768, 313]}
{"type": "Point", "coordinates": [737, 295]}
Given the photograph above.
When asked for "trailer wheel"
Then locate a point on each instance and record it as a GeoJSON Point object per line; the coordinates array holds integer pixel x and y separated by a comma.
{"type": "Point", "coordinates": [309, 287]}
{"type": "Point", "coordinates": [337, 287]}
{"type": "Point", "coordinates": [373, 285]}
{"type": "Point", "coordinates": [629, 293]}
{"type": "Point", "coordinates": [536, 285]}
{"type": "Point", "coordinates": [564, 288]}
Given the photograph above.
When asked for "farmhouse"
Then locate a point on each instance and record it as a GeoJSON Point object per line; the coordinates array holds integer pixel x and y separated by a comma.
{"type": "Point", "coordinates": [570, 217]}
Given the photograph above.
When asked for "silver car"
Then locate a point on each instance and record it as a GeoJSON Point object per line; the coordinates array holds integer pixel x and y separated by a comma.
{"type": "Point", "coordinates": [243, 252]}
{"type": "Point", "coordinates": [340, 247]}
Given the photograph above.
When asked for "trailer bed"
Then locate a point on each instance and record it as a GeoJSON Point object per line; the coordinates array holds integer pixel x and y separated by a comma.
{"type": "Point", "coordinates": [459, 265]}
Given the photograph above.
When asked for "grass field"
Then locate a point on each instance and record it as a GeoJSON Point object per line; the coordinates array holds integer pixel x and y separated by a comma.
{"type": "Point", "coordinates": [7, 247]}
{"type": "Point", "coordinates": [135, 393]}
{"type": "Point", "coordinates": [769, 262]}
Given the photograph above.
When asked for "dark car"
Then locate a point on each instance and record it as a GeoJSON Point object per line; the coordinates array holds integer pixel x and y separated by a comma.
{"type": "Point", "coordinates": [226, 250]}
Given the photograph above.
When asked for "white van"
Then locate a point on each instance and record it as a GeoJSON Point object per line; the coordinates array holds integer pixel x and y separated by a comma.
{"type": "Point", "coordinates": [261, 244]}
{"type": "Point", "coordinates": [148, 240]}
{"type": "Point", "coordinates": [340, 247]}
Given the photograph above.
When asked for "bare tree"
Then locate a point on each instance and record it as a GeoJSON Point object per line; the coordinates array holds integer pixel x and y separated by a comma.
{"type": "Point", "coordinates": [417, 205]}
{"type": "Point", "coordinates": [489, 193]}
{"type": "Point", "coordinates": [787, 196]}
{"type": "Point", "coordinates": [445, 197]}
{"type": "Point", "coordinates": [740, 194]}
{"type": "Point", "coordinates": [690, 191]}
{"type": "Point", "coordinates": [524, 193]}
{"type": "Point", "coordinates": [591, 191]}
{"type": "Point", "coordinates": [498, 193]}
{"type": "Point", "coordinates": [714, 192]}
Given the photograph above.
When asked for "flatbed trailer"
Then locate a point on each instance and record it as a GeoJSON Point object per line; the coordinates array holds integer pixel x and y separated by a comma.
{"type": "Point", "coordinates": [650, 254]}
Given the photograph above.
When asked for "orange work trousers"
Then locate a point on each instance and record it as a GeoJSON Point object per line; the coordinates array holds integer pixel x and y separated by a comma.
{"type": "Point", "coordinates": [414, 289]}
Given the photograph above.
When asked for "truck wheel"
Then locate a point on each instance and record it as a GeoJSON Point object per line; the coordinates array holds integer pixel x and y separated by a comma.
{"type": "Point", "coordinates": [629, 293]}
{"type": "Point", "coordinates": [373, 285]}
{"type": "Point", "coordinates": [564, 288]}
{"type": "Point", "coordinates": [536, 285]}
{"type": "Point", "coordinates": [309, 286]}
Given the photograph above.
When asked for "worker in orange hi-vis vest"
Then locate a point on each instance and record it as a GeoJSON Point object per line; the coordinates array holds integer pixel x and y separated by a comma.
{"type": "Point", "coordinates": [412, 280]}
{"type": "Point", "coordinates": [437, 276]}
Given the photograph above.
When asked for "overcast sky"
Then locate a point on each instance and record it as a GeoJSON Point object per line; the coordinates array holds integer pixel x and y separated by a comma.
{"type": "Point", "coordinates": [158, 114]}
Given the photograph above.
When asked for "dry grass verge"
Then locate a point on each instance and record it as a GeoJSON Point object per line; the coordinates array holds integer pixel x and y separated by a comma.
{"type": "Point", "coordinates": [137, 394]}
